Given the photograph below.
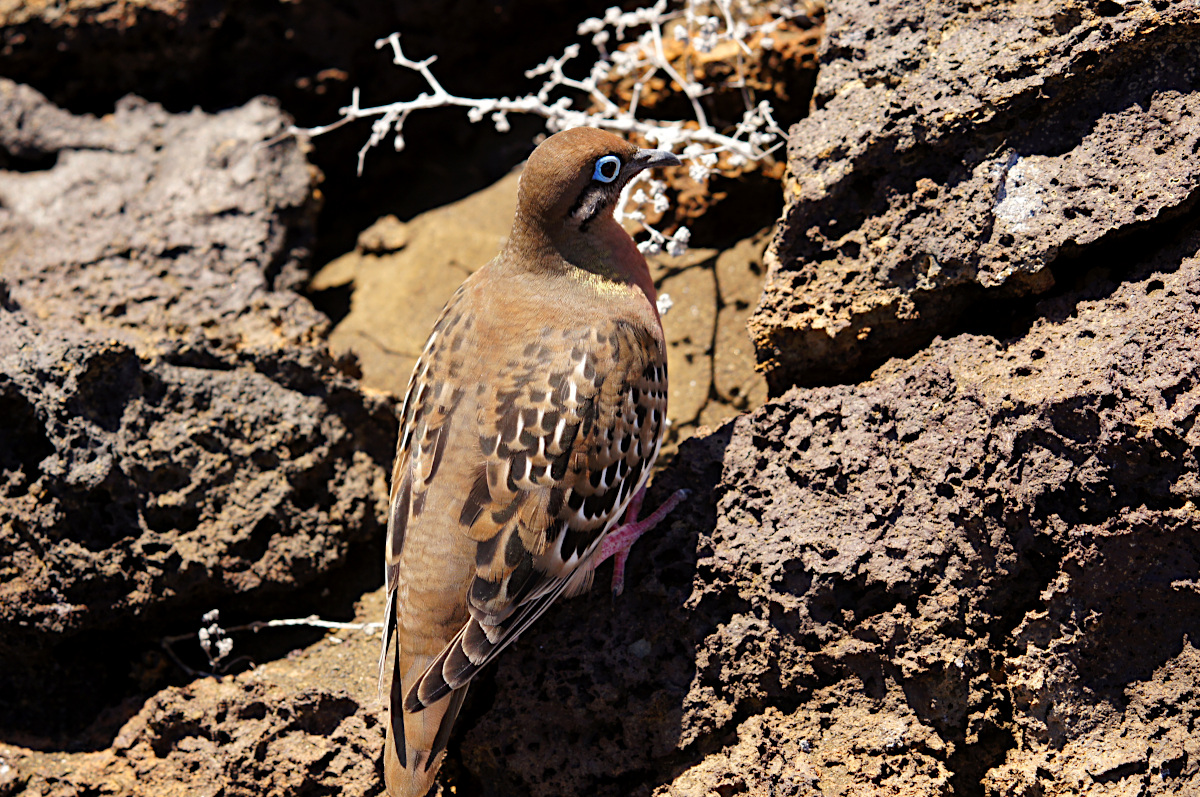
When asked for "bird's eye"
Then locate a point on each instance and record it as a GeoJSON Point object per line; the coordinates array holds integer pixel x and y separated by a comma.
{"type": "Point", "coordinates": [607, 169]}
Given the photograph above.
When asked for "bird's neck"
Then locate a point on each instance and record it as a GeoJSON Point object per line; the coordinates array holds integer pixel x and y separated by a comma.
{"type": "Point", "coordinates": [603, 255]}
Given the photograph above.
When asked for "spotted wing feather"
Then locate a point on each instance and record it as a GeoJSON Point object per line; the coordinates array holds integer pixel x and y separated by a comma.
{"type": "Point", "coordinates": [566, 441]}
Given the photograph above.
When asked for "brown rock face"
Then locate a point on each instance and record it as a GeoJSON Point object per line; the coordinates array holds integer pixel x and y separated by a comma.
{"type": "Point", "coordinates": [968, 570]}
{"type": "Point", "coordinates": [171, 432]}
{"type": "Point", "coordinates": [958, 157]}
{"type": "Point", "coordinates": [401, 281]}
{"type": "Point", "coordinates": [972, 574]}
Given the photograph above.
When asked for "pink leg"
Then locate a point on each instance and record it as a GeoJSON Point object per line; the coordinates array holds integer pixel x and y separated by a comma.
{"type": "Point", "coordinates": [621, 539]}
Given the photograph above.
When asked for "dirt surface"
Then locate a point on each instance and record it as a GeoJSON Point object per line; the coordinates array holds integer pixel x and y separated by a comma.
{"type": "Point", "coordinates": [956, 157]}
{"type": "Point", "coordinates": [955, 554]}
{"type": "Point", "coordinates": [307, 724]}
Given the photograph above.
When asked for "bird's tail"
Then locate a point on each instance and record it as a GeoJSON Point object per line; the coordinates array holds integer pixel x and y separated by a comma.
{"type": "Point", "coordinates": [416, 741]}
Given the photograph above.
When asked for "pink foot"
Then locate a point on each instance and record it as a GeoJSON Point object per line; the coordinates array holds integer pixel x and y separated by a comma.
{"type": "Point", "coordinates": [621, 539]}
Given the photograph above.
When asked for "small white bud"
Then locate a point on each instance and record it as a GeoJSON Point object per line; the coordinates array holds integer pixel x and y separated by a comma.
{"type": "Point", "coordinates": [766, 42]}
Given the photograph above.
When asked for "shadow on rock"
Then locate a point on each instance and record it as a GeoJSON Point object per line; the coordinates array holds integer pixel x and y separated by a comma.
{"type": "Point", "coordinates": [590, 700]}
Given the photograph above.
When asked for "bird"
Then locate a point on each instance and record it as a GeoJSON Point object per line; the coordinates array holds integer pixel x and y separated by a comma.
{"type": "Point", "coordinates": [531, 423]}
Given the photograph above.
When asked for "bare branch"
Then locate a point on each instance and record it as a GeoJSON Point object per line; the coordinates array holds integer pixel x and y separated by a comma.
{"type": "Point", "coordinates": [755, 137]}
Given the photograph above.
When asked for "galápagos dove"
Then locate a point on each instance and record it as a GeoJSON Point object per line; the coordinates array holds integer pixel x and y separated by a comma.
{"type": "Point", "coordinates": [531, 423]}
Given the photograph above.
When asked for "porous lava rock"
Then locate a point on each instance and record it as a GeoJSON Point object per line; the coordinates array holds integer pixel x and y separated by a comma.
{"type": "Point", "coordinates": [172, 432]}
{"type": "Point", "coordinates": [972, 574]}
{"type": "Point", "coordinates": [957, 155]}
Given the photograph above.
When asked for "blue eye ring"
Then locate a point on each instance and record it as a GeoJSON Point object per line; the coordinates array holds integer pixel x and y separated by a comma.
{"type": "Point", "coordinates": [610, 164]}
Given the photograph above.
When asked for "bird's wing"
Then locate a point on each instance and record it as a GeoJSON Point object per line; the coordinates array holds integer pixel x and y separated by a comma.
{"type": "Point", "coordinates": [425, 422]}
{"type": "Point", "coordinates": [568, 435]}
{"type": "Point", "coordinates": [426, 419]}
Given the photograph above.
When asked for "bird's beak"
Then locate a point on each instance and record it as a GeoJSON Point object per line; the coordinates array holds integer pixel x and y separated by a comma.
{"type": "Point", "coordinates": [650, 158]}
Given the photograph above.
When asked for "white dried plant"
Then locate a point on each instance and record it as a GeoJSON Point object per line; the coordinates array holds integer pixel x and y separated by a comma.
{"type": "Point", "coordinates": [566, 101]}
{"type": "Point", "coordinates": [217, 645]}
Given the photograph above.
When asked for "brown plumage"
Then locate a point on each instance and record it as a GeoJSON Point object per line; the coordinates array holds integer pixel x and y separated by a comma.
{"type": "Point", "coordinates": [532, 419]}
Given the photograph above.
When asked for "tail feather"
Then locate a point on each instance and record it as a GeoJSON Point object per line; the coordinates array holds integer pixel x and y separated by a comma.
{"type": "Point", "coordinates": [416, 741]}
{"type": "Point", "coordinates": [472, 648]}
{"type": "Point", "coordinates": [396, 726]}
{"type": "Point", "coordinates": [453, 706]}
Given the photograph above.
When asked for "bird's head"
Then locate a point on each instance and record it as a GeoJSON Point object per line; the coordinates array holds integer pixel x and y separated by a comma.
{"type": "Point", "coordinates": [574, 178]}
